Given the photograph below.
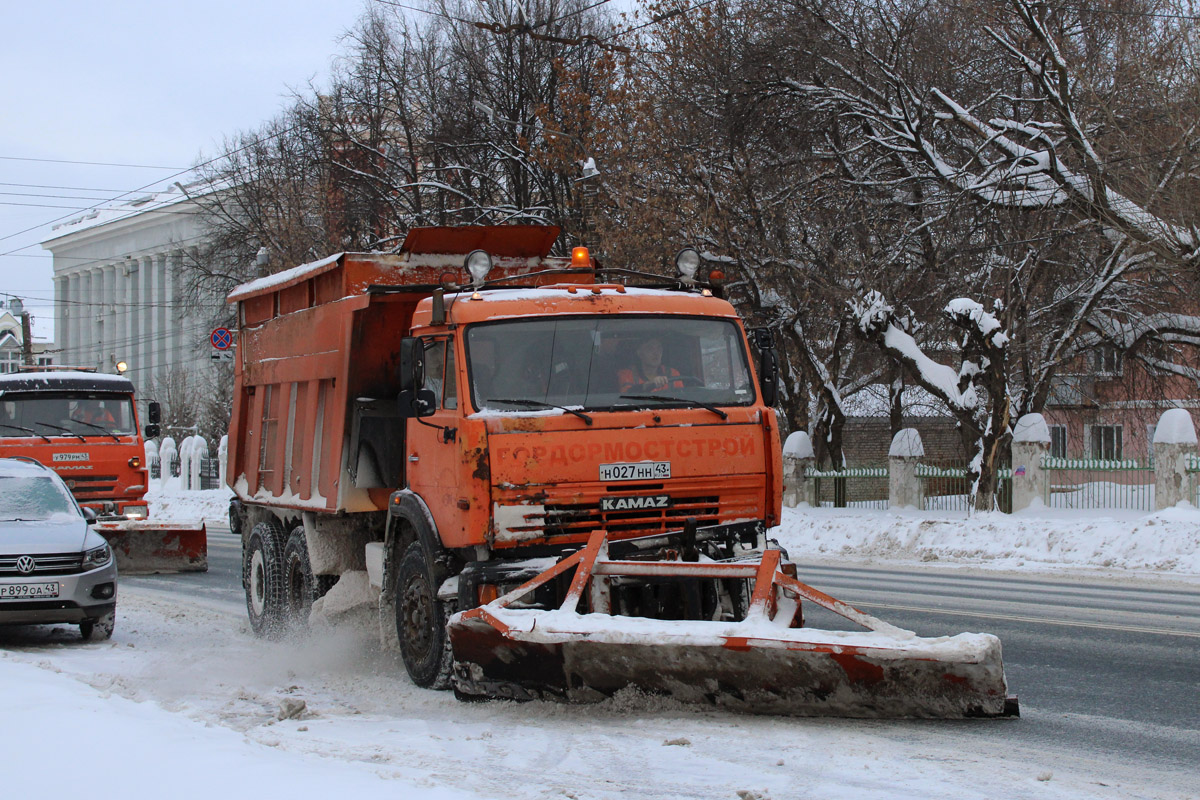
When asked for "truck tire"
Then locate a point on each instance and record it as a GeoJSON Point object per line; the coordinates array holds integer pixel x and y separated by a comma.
{"type": "Point", "coordinates": [262, 576]}
{"type": "Point", "coordinates": [421, 621]}
{"type": "Point", "coordinates": [299, 588]}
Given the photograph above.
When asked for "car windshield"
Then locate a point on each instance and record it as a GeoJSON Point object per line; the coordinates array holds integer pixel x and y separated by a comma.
{"type": "Point", "coordinates": [46, 414]}
{"type": "Point", "coordinates": [608, 362]}
{"type": "Point", "coordinates": [33, 498]}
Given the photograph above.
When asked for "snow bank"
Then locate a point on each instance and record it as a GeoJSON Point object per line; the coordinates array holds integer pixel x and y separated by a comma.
{"type": "Point", "coordinates": [1167, 541]}
{"type": "Point", "coordinates": [170, 501]}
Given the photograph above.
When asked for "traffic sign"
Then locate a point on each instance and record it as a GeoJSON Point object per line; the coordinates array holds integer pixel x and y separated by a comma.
{"type": "Point", "coordinates": [221, 338]}
{"type": "Point", "coordinates": [221, 355]}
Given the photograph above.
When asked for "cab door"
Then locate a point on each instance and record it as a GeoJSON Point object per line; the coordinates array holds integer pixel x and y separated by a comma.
{"type": "Point", "coordinates": [434, 451]}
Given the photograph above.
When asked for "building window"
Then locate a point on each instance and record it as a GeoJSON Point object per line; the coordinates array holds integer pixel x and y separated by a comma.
{"type": "Point", "coordinates": [45, 361]}
{"type": "Point", "coordinates": [10, 360]}
{"type": "Point", "coordinates": [1106, 442]}
{"type": "Point", "coordinates": [1106, 360]}
{"type": "Point", "coordinates": [1058, 441]}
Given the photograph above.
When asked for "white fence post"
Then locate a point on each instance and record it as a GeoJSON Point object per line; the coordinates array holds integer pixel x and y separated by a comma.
{"type": "Point", "coordinates": [150, 448]}
{"type": "Point", "coordinates": [185, 461]}
{"type": "Point", "coordinates": [904, 487]}
{"type": "Point", "coordinates": [196, 454]}
{"type": "Point", "coordinates": [166, 454]}
{"type": "Point", "coordinates": [798, 459]}
{"type": "Point", "coordinates": [1030, 444]}
{"type": "Point", "coordinates": [1174, 441]}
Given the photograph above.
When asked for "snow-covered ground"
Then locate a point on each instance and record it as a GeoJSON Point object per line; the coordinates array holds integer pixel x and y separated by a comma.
{"type": "Point", "coordinates": [185, 702]}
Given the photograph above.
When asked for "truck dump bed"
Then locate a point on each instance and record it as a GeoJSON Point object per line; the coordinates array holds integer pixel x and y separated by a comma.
{"type": "Point", "coordinates": [317, 363]}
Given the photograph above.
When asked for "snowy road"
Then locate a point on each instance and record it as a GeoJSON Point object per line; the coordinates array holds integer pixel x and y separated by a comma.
{"type": "Point", "coordinates": [195, 672]}
{"type": "Point", "coordinates": [1103, 665]}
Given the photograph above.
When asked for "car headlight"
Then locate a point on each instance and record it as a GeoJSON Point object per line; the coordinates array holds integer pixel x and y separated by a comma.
{"type": "Point", "coordinates": [97, 557]}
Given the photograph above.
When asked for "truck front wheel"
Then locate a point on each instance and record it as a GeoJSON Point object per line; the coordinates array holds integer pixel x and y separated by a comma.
{"type": "Point", "coordinates": [262, 576]}
{"type": "Point", "coordinates": [421, 621]}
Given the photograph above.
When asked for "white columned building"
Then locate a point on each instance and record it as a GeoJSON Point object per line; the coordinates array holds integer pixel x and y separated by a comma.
{"type": "Point", "coordinates": [117, 293]}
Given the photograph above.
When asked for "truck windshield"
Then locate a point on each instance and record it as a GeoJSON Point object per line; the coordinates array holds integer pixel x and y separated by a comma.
{"type": "Point", "coordinates": [602, 363]}
{"type": "Point", "coordinates": [49, 414]}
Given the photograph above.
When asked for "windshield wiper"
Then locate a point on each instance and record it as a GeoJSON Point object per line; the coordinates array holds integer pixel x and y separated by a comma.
{"type": "Point", "coordinates": [540, 404]}
{"type": "Point", "coordinates": [100, 428]}
{"type": "Point", "coordinates": [27, 430]}
{"type": "Point", "coordinates": [685, 400]}
{"type": "Point", "coordinates": [67, 431]}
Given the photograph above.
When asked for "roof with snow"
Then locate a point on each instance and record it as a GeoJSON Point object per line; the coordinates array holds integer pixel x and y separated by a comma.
{"type": "Point", "coordinates": [64, 381]}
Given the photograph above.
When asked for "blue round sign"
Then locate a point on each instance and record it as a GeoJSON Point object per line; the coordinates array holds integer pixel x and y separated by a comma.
{"type": "Point", "coordinates": [222, 338]}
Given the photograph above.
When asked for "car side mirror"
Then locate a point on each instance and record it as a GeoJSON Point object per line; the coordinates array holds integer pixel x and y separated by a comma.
{"type": "Point", "coordinates": [154, 413]}
{"type": "Point", "coordinates": [152, 430]}
{"type": "Point", "coordinates": [89, 515]}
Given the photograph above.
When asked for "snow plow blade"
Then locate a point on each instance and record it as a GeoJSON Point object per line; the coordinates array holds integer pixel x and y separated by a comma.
{"type": "Point", "coordinates": [763, 664]}
{"type": "Point", "coordinates": [144, 547]}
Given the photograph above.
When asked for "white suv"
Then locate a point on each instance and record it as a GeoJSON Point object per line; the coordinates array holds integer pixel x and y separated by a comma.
{"type": "Point", "coordinates": [53, 566]}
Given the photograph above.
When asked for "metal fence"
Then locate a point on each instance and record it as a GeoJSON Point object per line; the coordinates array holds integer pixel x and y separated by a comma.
{"type": "Point", "coordinates": [210, 471]}
{"type": "Point", "coordinates": [853, 487]}
{"type": "Point", "coordinates": [948, 488]}
{"type": "Point", "coordinates": [1081, 483]}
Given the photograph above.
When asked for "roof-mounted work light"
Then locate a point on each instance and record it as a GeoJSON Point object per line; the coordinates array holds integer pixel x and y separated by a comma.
{"type": "Point", "coordinates": [687, 261]}
{"type": "Point", "coordinates": [479, 264]}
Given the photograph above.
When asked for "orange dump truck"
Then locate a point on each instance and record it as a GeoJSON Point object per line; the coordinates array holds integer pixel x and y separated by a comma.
{"type": "Point", "coordinates": [546, 484]}
{"type": "Point", "coordinates": [84, 426]}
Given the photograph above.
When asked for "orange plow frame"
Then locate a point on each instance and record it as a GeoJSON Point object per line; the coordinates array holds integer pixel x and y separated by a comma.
{"type": "Point", "coordinates": [764, 663]}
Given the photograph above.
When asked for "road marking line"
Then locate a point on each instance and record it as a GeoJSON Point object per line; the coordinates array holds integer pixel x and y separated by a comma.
{"type": "Point", "coordinates": [1020, 618]}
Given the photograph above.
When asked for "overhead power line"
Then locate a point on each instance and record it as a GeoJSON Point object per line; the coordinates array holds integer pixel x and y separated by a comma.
{"type": "Point", "coordinates": [86, 163]}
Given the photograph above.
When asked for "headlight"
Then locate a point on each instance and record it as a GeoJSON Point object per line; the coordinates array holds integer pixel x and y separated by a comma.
{"type": "Point", "coordinates": [97, 557]}
{"type": "Point", "coordinates": [136, 512]}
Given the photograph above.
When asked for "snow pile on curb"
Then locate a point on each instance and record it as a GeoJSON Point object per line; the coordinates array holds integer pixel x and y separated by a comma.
{"type": "Point", "coordinates": [1166, 541]}
{"type": "Point", "coordinates": [172, 502]}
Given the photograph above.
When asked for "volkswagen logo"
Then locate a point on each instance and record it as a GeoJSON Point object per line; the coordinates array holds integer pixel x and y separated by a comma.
{"type": "Point", "coordinates": [26, 565]}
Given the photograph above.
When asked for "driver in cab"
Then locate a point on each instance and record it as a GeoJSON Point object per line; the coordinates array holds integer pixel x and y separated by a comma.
{"type": "Point", "coordinates": [648, 373]}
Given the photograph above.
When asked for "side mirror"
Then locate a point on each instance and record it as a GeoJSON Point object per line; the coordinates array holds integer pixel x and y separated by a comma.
{"type": "Point", "coordinates": [152, 430]}
{"type": "Point", "coordinates": [153, 413]}
{"type": "Point", "coordinates": [89, 515]}
{"type": "Point", "coordinates": [768, 365]}
{"type": "Point", "coordinates": [419, 403]}
{"type": "Point", "coordinates": [412, 364]}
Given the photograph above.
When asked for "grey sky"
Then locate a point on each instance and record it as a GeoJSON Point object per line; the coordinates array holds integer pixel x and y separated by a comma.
{"type": "Point", "coordinates": [135, 82]}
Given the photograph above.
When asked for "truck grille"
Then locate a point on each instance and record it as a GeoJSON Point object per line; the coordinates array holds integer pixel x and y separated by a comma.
{"type": "Point", "coordinates": [578, 519]}
{"type": "Point", "coordinates": [92, 487]}
{"type": "Point", "coordinates": [56, 564]}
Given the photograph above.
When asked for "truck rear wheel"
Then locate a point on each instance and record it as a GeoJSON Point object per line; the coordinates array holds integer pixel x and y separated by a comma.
{"type": "Point", "coordinates": [421, 621]}
{"type": "Point", "coordinates": [262, 576]}
{"type": "Point", "coordinates": [301, 587]}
